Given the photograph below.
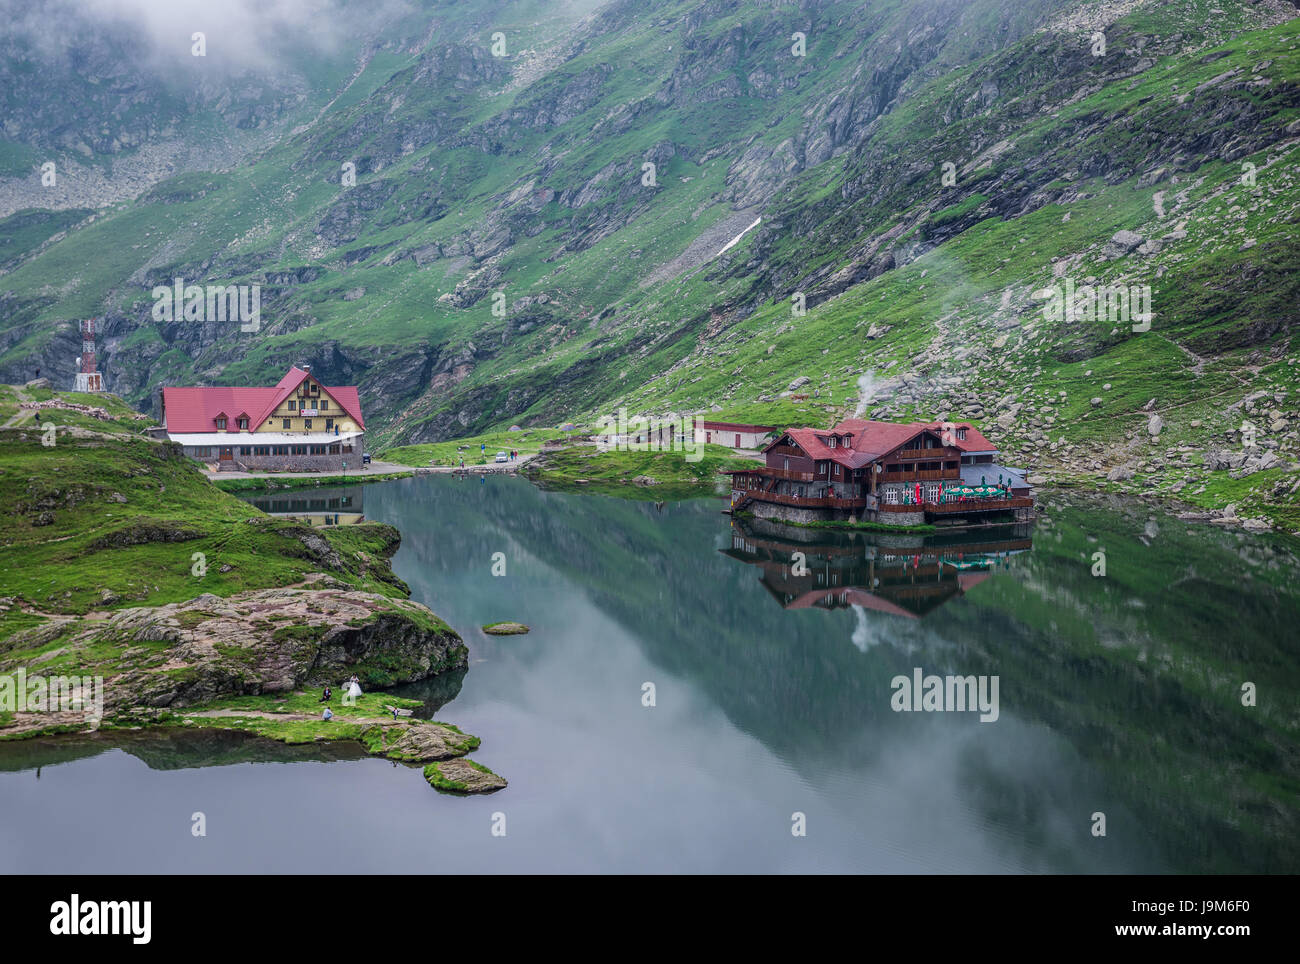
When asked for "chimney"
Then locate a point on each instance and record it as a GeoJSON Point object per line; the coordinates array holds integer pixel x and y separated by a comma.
{"type": "Point", "coordinates": [307, 369]}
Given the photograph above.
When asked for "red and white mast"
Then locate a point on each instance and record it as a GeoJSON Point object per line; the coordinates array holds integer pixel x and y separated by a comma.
{"type": "Point", "coordinates": [88, 379]}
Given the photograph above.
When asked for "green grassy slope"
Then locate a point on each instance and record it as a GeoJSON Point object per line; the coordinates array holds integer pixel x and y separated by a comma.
{"type": "Point", "coordinates": [522, 176]}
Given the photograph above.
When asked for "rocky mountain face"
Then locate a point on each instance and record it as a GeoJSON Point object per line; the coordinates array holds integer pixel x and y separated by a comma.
{"type": "Point", "coordinates": [484, 214]}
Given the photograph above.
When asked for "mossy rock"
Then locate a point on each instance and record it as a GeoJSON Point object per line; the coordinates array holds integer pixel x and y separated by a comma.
{"type": "Point", "coordinates": [462, 776]}
{"type": "Point", "coordinates": [505, 629]}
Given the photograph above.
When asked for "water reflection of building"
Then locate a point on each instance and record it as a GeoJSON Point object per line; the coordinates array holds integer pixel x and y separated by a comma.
{"type": "Point", "coordinates": [323, 507]}
{"type": "Point", "coordinates": [904, 575]}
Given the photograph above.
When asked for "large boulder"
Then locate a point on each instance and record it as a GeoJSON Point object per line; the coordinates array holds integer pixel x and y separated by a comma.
{"type": "Point", "coordinates": [1123, 242]}
{"type": "Point", "coordinates": [257, 642]}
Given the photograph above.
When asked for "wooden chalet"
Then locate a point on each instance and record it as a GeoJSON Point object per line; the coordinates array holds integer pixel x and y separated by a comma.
{"type": "Point", "coordinates": [892, 473]}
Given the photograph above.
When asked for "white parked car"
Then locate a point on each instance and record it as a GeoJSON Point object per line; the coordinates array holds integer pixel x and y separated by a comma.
{"type": "Point", "coordinates": [502, 457]}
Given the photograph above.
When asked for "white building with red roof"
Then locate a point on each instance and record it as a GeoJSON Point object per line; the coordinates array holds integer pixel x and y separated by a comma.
{"type": "Point", "coordinates": [893, 473]}
{"type": "Point", "coordinates": [297, 425]}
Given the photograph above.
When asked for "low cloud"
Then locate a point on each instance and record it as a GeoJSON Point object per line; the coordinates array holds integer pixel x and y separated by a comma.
{"type": "Point", "coordinates": [240, 35]}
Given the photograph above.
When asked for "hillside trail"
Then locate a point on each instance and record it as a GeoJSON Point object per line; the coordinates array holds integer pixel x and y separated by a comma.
{"type": "Point", "coordinates": [21, 416]}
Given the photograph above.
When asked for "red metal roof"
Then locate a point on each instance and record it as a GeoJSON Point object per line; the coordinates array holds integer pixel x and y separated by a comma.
{"type": "Point", "coordinates": [872, 435]}
{"type": "Point", "coordinates": [868, 440]}
{"type": "Point", "coordinates": [189, 410]}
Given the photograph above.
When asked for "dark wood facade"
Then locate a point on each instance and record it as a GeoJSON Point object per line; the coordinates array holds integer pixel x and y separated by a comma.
{"type": "Point", "coordinates": [881, 468]}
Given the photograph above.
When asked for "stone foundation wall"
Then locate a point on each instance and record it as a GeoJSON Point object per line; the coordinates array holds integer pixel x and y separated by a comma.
{"type": "Point", "coordinates": [786, 513]}
{"type": "Point", "coordinates": [916, 518]}
{"type": "Point", "coordinates": [290, 463]}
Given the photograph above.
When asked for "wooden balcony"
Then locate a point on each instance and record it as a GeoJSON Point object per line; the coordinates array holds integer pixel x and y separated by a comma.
{"type": "Point", "coordinates": [790, 474]}
{"type": "Point", "coordinates": [930, 475]}
{"type": "Point", "coordinates": [979, 505]}
{"type": "Point", "coordinates": [937, 454]}
{"type": "Point", "coordinates": [804, 501]}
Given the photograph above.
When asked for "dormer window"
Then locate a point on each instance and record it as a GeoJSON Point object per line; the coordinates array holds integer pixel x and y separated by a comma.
{"type": "Point", "coordinates": [243, 425]}
{"type": "Point", "coordinates": [221, 423]}
{"type": "Point", "coordinates": [832, 441]}
{"type": "Point", "coordinates": [961, 434]}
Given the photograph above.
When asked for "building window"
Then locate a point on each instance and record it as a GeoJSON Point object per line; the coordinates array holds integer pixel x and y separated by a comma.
{"type": "Point", "coordinates": [832, 441]}
{"type": "Point", "coordinates": [347, 450]}
{"type": "Point", "coordinates": [324, 404]}
{"type": "Point", "coordinates": [961, 434]}
{"type": "Point", "coordinates": [243, 425]}
{"type": "Point", "coordinates": [334, 449]}
{"type": "Point", "coordinates": [329, 424]}
{"type": "Point", "coordinates": [300, 450]}
{"type": "Point", "coordinates": [306, 423]}
{"type": "Point", "coordinates": [293, 406]}
{"type": "Point", "coordinates": [221, 425]}
{"type": "Point", "coordinates": [315, 389]}
{"type": "Point", "coordinates": [244, 450]}
{"type": "Point", "coordinates": [286, 423]}
{"type": "Point", "coordinates": [837, 469]}
{"type": "Point", "coordinates": [279, 450]}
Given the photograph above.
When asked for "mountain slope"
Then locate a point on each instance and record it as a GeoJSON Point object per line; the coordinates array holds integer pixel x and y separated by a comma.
{"type": "Point", "coordinates": [519, 182]}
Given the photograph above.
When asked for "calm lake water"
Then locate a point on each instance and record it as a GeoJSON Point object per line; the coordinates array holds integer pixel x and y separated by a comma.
{"type": "Point", "coordinates": [1118, 695]}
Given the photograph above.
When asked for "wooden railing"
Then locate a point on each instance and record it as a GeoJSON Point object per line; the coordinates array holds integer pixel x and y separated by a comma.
{"type": "Point", "coordinates": [934, 453]}
{"type": "Point", "coordinates": [790, 474]}
{"type": "Point", "coordinates": [970, 505]}
{"type": "Point", "coordinates": [979, 505]}
{"type": "Point", "coordinates": [806, 501]}
{"type": "Point", "coordinates": [929, 475]}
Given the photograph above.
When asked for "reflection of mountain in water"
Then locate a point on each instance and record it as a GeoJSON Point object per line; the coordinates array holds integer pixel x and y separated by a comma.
{"type": "Point", "coordinates": [903, 576]}
{"type": "Point", "coordinates": [1139, 671]}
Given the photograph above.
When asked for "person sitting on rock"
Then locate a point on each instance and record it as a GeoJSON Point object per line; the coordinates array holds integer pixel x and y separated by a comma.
{"type": "Point", "coordinates": [326, 697]}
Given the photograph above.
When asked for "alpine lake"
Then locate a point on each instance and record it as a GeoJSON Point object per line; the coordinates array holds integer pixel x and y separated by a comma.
{"type": "Point", "coordinates": [702, 694]}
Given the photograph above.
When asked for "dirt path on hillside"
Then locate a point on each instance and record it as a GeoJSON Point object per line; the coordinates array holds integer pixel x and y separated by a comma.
{"type": "Point", "coordinates": [21, 416]}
